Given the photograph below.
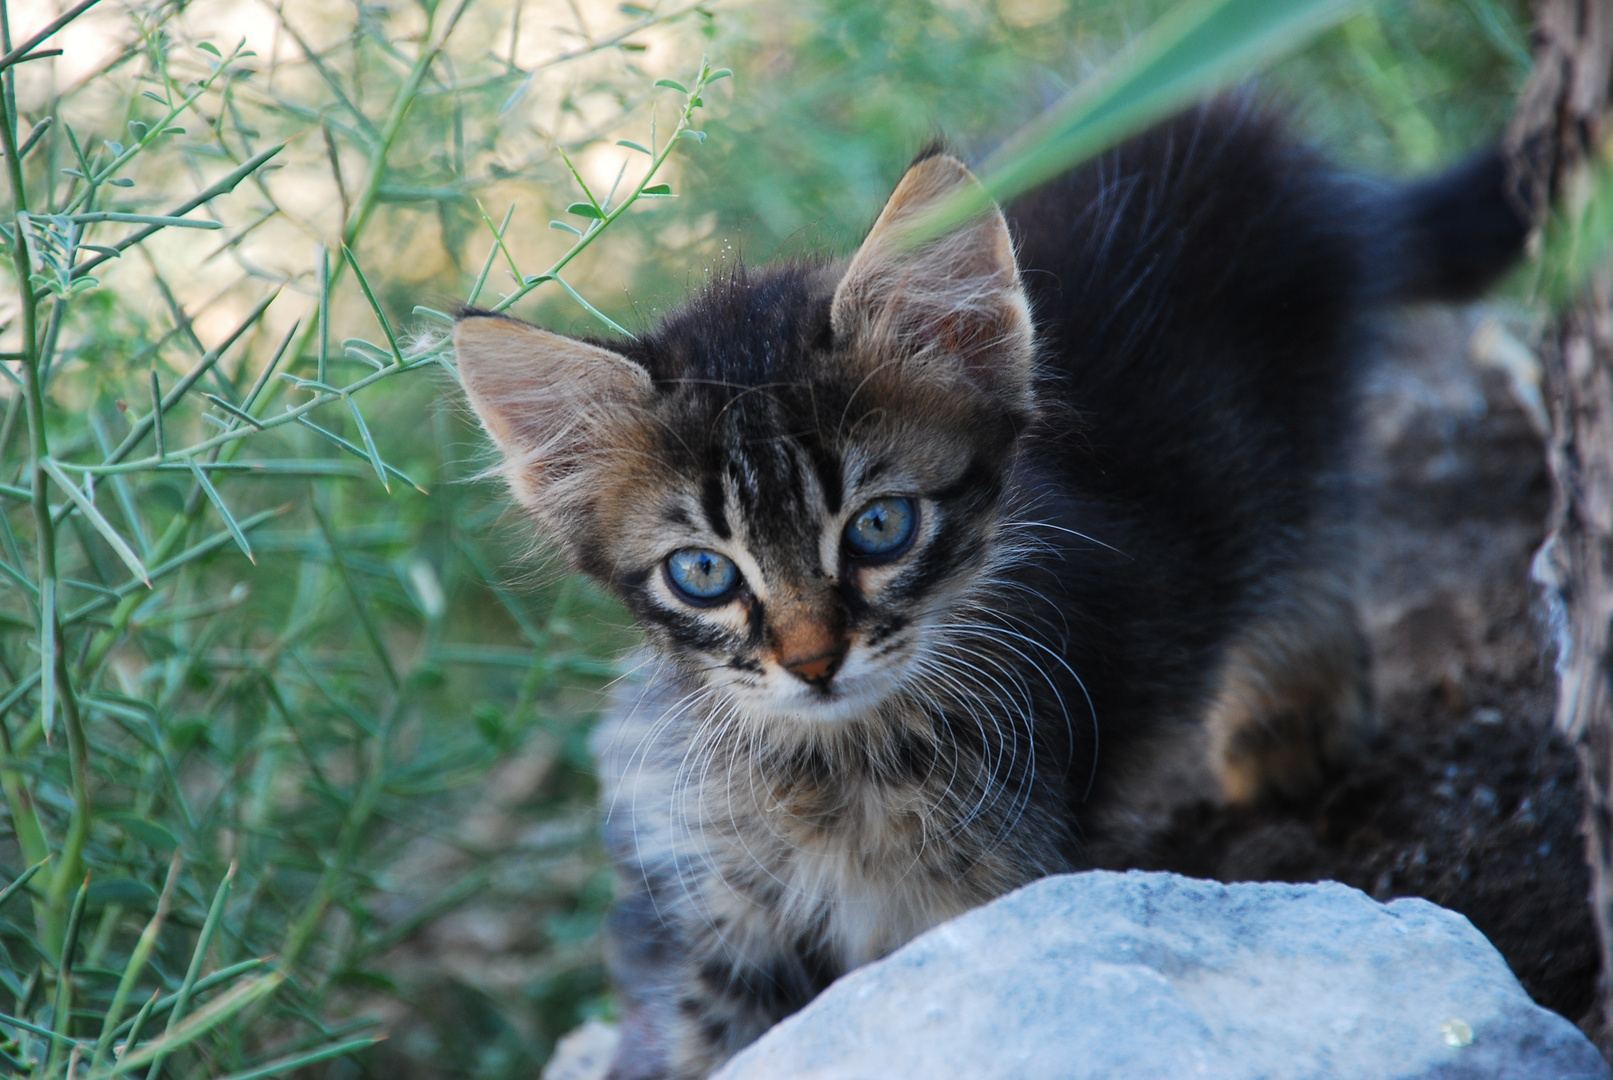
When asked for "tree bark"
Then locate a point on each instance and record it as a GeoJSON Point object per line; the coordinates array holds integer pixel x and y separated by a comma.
{"type": "Point", "coordinates": [1558, 138]}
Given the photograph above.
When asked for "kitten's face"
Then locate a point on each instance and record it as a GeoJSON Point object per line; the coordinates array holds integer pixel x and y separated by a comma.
{"type": "Point", "coordinates": [792, 538]}
{"type": "Point", "coordinates": [792, 480]}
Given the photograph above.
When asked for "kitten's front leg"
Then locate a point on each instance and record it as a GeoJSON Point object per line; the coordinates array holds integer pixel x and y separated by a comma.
{"type": "Point", "coordinates": [701, 985]}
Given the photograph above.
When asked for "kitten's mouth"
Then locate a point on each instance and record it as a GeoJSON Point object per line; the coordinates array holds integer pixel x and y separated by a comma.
{"type": "Point", "coordinates": [837, 700]}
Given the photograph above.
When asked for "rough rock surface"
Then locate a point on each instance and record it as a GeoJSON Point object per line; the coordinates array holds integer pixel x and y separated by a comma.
{"type": "Point", "coordinates": [1154, 975]}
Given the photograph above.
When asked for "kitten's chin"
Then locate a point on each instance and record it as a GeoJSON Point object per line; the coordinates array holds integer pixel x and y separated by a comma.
{"type": "Point", "coordinates": [839, 703]}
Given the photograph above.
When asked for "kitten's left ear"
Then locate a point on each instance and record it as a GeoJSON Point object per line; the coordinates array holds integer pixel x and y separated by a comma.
{"type": "Point", "coordinates": [952, 304]}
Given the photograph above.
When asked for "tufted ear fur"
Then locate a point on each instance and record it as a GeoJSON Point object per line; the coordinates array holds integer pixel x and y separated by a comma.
{"type": "Point", "coordinates": [553, 405]}
{"type": "Point", "coordinates": [953, 303]}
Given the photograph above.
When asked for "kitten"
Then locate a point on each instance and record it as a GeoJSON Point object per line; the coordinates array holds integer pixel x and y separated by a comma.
{"type": "Point", "coordinates": [961, 564]}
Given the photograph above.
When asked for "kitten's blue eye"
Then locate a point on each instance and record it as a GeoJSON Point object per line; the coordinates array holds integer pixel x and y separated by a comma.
{"type": "Point", "coordinates": [882, 528]}
{"type": "Point", "coordinates": [700, 575]}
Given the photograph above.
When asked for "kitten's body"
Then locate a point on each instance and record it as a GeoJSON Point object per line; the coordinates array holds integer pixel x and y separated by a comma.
{"type": "Point", "coordinates": [1125, 586]}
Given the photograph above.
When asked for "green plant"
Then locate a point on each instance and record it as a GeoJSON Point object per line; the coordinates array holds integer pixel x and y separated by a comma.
{"type": "Point", "coordinates": [210, 770]}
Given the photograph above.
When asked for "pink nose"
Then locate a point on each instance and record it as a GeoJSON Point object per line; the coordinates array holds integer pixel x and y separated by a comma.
{"type": "Point", "coordinates": [818, 669]}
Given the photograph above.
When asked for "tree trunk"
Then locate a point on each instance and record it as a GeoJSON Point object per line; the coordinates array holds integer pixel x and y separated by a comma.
{"type": "Point", "coordinates": [1558, 139]}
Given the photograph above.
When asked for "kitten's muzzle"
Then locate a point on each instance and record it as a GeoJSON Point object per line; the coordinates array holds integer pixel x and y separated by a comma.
{"type": "Point", "coordinates": [819, 669]}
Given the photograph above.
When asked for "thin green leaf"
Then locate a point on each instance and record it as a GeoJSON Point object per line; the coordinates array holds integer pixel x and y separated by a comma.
{"type": "Point", "coordinates": [268, 370]}
{"type": "Point", "coordinates": [672, 84]}
{"type": "Point", "coordinates": [561, 225]}
{"type": "Point", "coordinates": [206, 1019]}
{"type": "Point", "coordinates": [369, 441]}
{"type": "Point", "coordinates": [657, 190]}
{"type": "Point", "coordinates": [359, 451]}
{"type": "Point", "coordinates": [223, 511]}
{"type": "Point", "coordinates": [156, 411]}
{"type": "Point", "coordinates": [375, 305]}
{"type": "Point", "coordinates": [492, 255]}
{"type": "Point", "coordinates": [293, 1062]}
{"type": "Point", "coordinates": [178, 1032]}
{"type": "Point", "coordinates": [63, 1010]}
{"type": "Point", "coordinates": [21, 880]}
{"type": "Point", "coordinates": [239, 414]}
{"type": "Point", "coordinates": [161, 1005]}
{"type": "Point", "coordinates": [93, 516]}
{"type": "Point", "coordinates": [586, 210]}
{"type": "Point", "coordinates": [1195, 49]}
{"type": "Point", "coordinates": [631, 145]}
{"type": "Point", "coordinates": [324, 314]}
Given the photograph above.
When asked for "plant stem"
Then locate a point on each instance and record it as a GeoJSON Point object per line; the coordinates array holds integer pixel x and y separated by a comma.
{"type": "Point", "coordinates": [67, 870]}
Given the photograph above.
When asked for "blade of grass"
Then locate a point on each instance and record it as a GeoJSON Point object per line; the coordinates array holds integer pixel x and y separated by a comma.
{"type": "Point", "coordinates": [375, 305]}
{"type": "Point", "coordinates": [297, 1061]}
{"type": "Point", "coordinates": [160, 1005]}
{"type": "Point", "coordinates": [223, 511]}
{"type": "Point", "coordinates": [93, 516]}
{"type": "Point", "coordinates": [359, 451]}
{"type": "Point", "coordinates": [62, 1013]}
{"type": "Point", "coordinates": [137, 1026]}
{"type": "Point", "coordinates": [1196, 48]}
{"type": "Point", "coordinates": [369, 442]}
{"type": "Point", "coordinates": [194, 1027]}
{"type": "Point", "coordinates": [157, 1053]}
{"type": "Point", "coordinates": [492, 254]}
{"type": "Point", "coordinates": [22, 879]}
{"type": "Point", "coordinates": [136, 965]}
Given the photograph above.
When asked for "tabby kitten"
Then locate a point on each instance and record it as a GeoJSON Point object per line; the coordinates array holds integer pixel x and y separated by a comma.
{"type": "Point", "coordinates": [960, 564]}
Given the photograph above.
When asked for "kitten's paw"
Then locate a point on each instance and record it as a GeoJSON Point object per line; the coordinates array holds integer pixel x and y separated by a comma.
{"type": "Point", "coordinates": [1294, 705]}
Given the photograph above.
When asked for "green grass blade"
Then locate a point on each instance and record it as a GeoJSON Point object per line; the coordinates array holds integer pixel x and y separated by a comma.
{"type": "Point", "coordinates": [269, 368]}
{"type": "Point", "coordinates": [223, 511]}
{"type": "Point", "coordinates": [369, 441]}
{"type": "Point", "coordinates": [137, 1026]}
{"type": "Point", "coordinates": [136, 965]}
{"type": "Point", "coordinates": [194, 1027]}
{"type": "Point", "coordinates": [157, 1053]}
{"type": "Point", "coordinates": [492, 254]}
{"type": "Point", "coordinates": [1195, 49]}
{"type": "Point", "coordinates": [160, 1005]}
{"type": "Point", "coordinates": [375, 305]}
{"type": "Point", "coordinates": [297, 1061]}
{"type": "Point", "coordinates": [93, 516]}
{"type": "Point", "coordinates": [359, 451]}
{"type": "Point", "coordinates": [63, 1010]}
{"type": "Point", "coordinates": [324, 313]}
{"type": "Point", "coordinates": [22, 880]}
{"type": "Point", "coordinates": [156, 412]}
{"type": "Point", "coordinates": [238, 413]}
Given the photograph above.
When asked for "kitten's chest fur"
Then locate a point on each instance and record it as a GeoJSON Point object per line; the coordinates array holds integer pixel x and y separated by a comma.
{"type": "Point", "coordinates": [844, 848]}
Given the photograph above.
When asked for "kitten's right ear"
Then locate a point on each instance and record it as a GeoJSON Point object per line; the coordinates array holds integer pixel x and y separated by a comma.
{"type": "Point", "coordinates": [547, 400]}
{"type": "Point", "coordinates": [952, 304]}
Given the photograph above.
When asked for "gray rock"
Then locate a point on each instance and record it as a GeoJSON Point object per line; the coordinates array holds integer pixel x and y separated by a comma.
{"type": "Point", "coordinates": [1143, 975]}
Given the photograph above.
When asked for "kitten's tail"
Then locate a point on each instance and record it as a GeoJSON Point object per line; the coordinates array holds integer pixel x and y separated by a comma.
{"type": "Point", "coordinates": [1454, 234]}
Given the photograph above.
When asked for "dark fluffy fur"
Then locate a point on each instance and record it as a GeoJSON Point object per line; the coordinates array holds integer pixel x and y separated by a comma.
{"type": "Point", "coordinates": [1161, 607]}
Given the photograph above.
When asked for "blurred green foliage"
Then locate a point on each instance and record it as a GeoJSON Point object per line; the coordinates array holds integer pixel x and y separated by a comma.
{"type": "Point", "coordinates": [380, 721]}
